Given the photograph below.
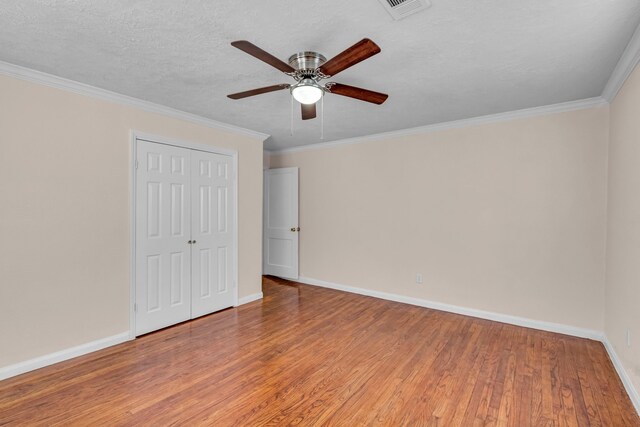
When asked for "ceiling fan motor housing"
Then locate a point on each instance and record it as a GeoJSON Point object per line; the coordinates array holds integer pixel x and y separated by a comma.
{"type": "Point", "coordinates": [306, 64]}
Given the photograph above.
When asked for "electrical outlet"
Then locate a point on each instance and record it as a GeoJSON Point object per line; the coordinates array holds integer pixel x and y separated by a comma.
{"type": "Point", "coordinates": [419, 279]}
{"type": "Point", "coordinates": [628, 338]}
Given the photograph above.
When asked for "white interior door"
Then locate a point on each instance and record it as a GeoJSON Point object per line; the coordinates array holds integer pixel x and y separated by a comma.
{"type": "Point", "coordinates": [212, 217]}
{"type": "Point", "coordinates": [163, 270]}
{"type": "Point", "coordinates": [281, 228]}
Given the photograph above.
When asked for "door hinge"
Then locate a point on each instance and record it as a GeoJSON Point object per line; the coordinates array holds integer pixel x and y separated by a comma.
{"type": "Point", "coordinates": [137, 164]}
{"type": "Point", "coordinates": [135, 308]}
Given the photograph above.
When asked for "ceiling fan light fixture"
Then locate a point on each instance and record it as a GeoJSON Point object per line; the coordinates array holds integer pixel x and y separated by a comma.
{"type": "Point", "coordinates": [309, 68]}
{"type": "Point", "coordinates": [307, 91]}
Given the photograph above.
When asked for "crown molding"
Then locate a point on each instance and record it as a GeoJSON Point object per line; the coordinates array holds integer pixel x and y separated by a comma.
{"type": "Point", "coordinates": [627, 63]}
{"type": "Point", "coordinates": [456, 124]}
{"type": "Point", "coordinates": [50, 80]}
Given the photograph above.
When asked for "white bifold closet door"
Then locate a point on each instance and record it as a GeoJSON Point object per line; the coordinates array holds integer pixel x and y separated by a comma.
{"type": "Point", "coordinates": [184, 235]}
{"type": "Point", "coordinates": [211, 230]}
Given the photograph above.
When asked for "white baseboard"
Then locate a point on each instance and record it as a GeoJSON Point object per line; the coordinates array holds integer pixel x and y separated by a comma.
{"type": "Point", "coordinates": [70, 353]}
{"type": "Point", "coordinates": [622, 373]}
{"type": "Point", "coordinates": [503, 318]}
{"type": "Point", "coordinates": [59, 356]}
{"type": "Point", "coordinates": [62, 355]}
{"type": "Point", "coordinates": [250, 298]}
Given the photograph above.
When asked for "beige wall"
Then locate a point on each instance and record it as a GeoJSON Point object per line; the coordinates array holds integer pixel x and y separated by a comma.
{"type": "Point", "coordinates": [623, 234]}
{"type": "Point", "coordinates": [507, 217]}
{"type": "Point", "coordinates": [64, 214]}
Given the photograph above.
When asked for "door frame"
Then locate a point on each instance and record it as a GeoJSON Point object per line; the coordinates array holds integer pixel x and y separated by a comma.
{"type": "Point", "coordinates": [134, 137]}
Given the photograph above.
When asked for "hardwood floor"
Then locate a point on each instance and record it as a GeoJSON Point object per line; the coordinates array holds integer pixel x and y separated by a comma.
{"type": "Point", "coordinates": [312, 356]}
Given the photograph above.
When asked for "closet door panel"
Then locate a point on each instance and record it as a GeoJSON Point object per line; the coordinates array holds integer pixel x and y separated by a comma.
{"type": "Point", "coordinates": [163, 229]}
{"type": "Point", "coordinates": [212, 217]}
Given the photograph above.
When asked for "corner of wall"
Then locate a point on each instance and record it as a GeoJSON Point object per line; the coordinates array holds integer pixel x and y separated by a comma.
{"type": "Point", "coordinates": [606, 219]}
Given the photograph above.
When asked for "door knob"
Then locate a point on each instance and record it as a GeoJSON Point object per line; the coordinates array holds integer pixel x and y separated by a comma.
{"type": "Point", "coordinates": [293, 229]}
{"type": "Point", "coordinates": [189, 242]}
{"type": "Point", "coordinates": [298, 229]}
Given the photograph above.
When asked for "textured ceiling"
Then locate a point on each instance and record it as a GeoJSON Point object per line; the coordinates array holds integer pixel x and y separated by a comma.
{"type": "Point", "coordinates": [458, 59]}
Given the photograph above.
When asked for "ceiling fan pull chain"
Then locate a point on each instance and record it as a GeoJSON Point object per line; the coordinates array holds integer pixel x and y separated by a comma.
{"type": "Point", "coordinates": [291, 115]}
{"type": "Point", "coordinates": [322, 118]}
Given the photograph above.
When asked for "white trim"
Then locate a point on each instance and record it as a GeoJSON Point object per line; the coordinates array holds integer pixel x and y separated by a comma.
{"type": "Point", "coordinates": [158, 139]}
{"type": "Point", "coordinates": [142, 136]}
{"type": "Point", "coordinates": [132, 229]}
{"type": "Point", "coordinates": [456, 124]}
{"type": "Point", "coordinates": [622, 373]}
{"type": "Point", "coordinates": [132, 235]}
{"type": "Point", "coordinates": [250, 298]}
{"type": "Point", "coordinates": [236, 230]}
{"type": "Point", "coordinates": [625, 66]}
{"type": "Point", "coordinates": [497, 317]}
{"type": "Point", "coordinates": [50, 80]}
{"type": "Point", "coordinates": [622, 71]}
{"type": "Point", "coordinates": [62, 355]}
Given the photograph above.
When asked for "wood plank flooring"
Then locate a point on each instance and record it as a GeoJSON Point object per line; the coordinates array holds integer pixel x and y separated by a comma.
{"type": "Point", "coordinates": [311, 356]}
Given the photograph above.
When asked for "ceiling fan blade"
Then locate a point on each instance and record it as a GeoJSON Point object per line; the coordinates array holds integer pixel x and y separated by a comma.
{"type": "Point", "coordinates": [360, 51]}
{"type": "Point", "coordinates": [308, 111]}
{"type": "Point", "coordinates": [258, 91]}
{"type": "Point", "coordinates": [357, 93]}
{"type": "Point", "coordinates": [255, 51]}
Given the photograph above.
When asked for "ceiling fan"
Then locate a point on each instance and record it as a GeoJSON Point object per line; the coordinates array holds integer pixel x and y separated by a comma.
{"type": "Point", "coordinates": [308, 68]}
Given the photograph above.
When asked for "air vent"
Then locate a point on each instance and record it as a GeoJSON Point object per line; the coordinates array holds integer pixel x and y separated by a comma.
{"type": "Point", "coordinates": [399, 9]}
